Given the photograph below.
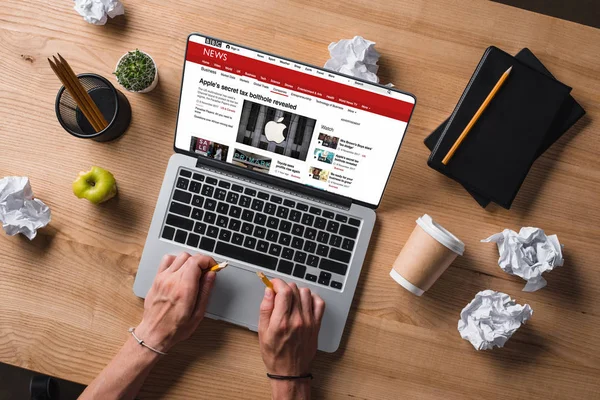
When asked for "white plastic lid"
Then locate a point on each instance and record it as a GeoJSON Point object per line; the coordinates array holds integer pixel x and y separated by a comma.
{"type": "Point", "coordinates": [405, 284]}
{"type": "Point", "coordinates": [440, 234]}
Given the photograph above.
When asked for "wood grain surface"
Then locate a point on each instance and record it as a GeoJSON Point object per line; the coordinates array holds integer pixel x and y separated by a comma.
{"type": "Point", "coordinates": [66, 298]}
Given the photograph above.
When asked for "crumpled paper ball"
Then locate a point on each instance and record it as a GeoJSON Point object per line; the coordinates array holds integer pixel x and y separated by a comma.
{"type": "Point", "coordinates": [19, 211]}
{"type": "Point", "coordinates": [491, 318]}
{"type": "Point", "coordinates": [528, 254]}
{"type": "Point", "coordinates": [355, 57]}
{"type": "Point", "coordinates": [96, 11]}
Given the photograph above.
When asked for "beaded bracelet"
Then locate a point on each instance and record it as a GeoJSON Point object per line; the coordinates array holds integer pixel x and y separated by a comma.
{"type": "Point", "coordinates": [142, 343]}
{"type": "Point", "coordinates": [289, 377]}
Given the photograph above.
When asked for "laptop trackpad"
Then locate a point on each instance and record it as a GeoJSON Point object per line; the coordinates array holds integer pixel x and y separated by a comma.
{"type": "Point", "coordinates": [236, 297]}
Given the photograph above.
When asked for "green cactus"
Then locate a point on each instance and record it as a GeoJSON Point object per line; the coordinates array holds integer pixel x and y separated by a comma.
{"type": "Point", "coordinates": [136, 71]}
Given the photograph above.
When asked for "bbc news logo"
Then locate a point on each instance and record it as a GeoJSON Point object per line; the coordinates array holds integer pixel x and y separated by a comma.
{"type": "Point", "coordinates": [213, 42]}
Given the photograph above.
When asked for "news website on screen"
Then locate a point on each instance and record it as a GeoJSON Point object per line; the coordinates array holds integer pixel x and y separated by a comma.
{"type": "Point", "coordinates": [285, 119]}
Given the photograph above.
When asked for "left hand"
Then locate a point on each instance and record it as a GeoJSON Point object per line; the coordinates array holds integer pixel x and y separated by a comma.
{"type": "Point", "coordinates": [177, 300]}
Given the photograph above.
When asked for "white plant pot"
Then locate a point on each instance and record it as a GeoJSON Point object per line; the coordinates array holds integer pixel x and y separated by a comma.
{"type": "Point", "coordinates": [154, 82]}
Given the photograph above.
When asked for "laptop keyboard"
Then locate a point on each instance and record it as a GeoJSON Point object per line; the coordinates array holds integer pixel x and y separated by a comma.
{"type": "Point", "coordinates": [267, 230]}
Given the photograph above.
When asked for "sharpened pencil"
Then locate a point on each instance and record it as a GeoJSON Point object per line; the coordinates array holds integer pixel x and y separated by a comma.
{"type": "Point", "coordinates": [482, 108]}
{"type": "Point", "coordinates": [265, 280]}
{"type": "Point", "coordinates": [218, 267]}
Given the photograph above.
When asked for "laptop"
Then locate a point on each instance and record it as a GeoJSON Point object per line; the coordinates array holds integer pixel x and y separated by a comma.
{"type": "Point", "coordinates": [278, 167]}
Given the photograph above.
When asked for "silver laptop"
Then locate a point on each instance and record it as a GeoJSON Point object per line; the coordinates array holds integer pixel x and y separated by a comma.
{"type": "Point", "coordinates": [278, 167]}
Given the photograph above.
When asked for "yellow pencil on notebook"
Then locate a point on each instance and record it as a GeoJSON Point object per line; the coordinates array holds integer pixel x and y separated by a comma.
{"type": "Point", "coordinates": [265, 280]}
{"type": "Point", "coordinates": [483, 106]}
{"type": "Point", "coordinates": [218, 267]}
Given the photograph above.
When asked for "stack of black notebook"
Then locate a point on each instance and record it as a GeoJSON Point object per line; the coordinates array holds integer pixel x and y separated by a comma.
{"type": "Point", "coordinates": [529, 113]}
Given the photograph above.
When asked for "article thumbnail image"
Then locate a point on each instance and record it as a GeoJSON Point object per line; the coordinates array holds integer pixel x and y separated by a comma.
{"type": "Point", "coordinates": [251, 161]}
{"type": "Point", "coordinates": [324, 156]}
{"type": "Point", "coordinates": [278, 131]}
{"type": "Point", "coordinates": [209, 149]}
{"type": "Point", "coordinates": [326, 140]}
{"type": "Point", "coordinates": [319, 174]}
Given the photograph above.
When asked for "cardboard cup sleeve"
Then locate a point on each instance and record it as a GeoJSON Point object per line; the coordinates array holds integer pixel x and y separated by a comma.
{"type": "Point", "coordinates": [428, 252]}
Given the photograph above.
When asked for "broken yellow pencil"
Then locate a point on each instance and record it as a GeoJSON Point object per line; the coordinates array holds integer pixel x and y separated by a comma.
{"type": "Point", "coordinates": [265, 280]}
{"type": "Point", "coordinates": [218, 267]}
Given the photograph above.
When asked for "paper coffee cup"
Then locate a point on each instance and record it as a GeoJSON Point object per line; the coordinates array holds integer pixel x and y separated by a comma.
{"type": "Point", "coordinates": [429, 250]}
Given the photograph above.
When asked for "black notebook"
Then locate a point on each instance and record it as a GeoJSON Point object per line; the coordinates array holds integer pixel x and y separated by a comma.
{"type": "Point", "coordinates": [569, 113]}
{"type": "Point", "coordinates": [498, 152]}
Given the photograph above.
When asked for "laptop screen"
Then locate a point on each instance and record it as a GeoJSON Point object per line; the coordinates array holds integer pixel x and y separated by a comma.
{"type": "Point", "coordinates": [290, 120]}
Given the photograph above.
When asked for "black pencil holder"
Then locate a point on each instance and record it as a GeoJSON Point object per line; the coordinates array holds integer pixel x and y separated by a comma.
{"type": "Point", "coordinates": [113, 105]}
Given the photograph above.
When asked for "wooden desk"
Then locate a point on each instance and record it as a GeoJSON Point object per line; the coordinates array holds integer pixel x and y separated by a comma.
{"type": "Point", "coordinates": [66, 299]}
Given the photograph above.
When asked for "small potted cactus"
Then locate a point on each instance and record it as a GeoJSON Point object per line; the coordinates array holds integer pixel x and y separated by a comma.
{"type": "Point", "coordinates": [137, 72]}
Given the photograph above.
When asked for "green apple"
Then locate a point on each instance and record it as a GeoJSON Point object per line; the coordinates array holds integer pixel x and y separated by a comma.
{"type": "Point", "coordinates": [97, 185]}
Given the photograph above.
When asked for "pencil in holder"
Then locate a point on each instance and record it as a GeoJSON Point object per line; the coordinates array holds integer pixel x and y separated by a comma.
{"type": "Point", "coordinates": [113, 105]}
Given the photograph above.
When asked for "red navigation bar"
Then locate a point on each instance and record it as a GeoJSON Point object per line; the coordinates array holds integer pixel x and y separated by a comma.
{"type": "Point", "coordinates": [299, 81]}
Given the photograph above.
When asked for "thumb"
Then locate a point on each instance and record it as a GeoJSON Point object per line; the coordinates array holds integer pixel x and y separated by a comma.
{"type": "Point", "coordinates": [266, 309]}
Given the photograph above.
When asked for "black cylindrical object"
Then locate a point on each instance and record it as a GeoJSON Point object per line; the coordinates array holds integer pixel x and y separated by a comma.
{"type": "Point", "coordinates": [113, 105]}
{"type": "Point", "coordinates": [42, 387]}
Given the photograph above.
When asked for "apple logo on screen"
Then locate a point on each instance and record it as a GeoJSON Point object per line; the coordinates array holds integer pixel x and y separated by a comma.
{"type": "Point", "coordinates": [274, 131]}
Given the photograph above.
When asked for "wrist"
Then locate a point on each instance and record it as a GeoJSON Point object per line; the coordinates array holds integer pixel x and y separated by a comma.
{"type": "Point", "coordinates": [144, 358]}
{"type": "Point", "coordinates": [284, 366]}
{"type": "Point", "coordinates": [290, 390]}
{"type": "Point", "coordinates": [152, 337]}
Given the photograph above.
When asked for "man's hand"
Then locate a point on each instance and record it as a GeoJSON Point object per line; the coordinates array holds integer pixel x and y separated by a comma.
{"type": "Point", "coordinates": [174, 307]}
{"type": "Point", "coordinates": [288, 328]}
{"type": "Point", "coordinates": [177, 300]}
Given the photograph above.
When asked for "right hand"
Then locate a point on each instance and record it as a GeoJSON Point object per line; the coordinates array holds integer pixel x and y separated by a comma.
{"type": "Point", "coordinates": [288, 328]}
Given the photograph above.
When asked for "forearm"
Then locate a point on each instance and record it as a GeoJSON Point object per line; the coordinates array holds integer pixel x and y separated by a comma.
{"type": "Point", "coordinates": [123, 377]}
{"type": "Point", "coordinates": [290, 390]}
